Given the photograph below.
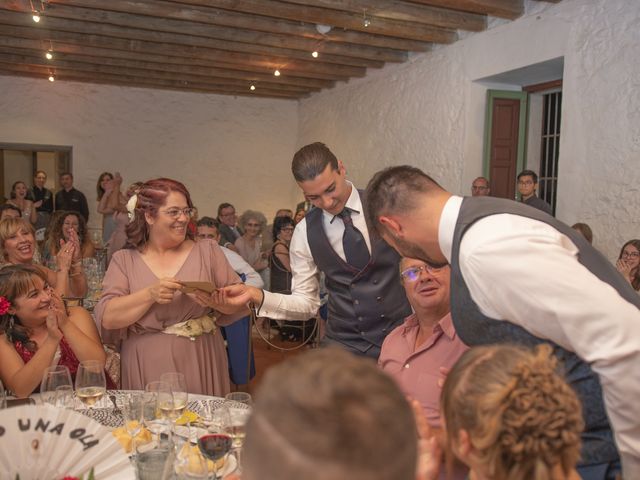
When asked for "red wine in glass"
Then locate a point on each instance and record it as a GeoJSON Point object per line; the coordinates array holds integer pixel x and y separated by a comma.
{"type": "Point", "coordinates": [214, 446]}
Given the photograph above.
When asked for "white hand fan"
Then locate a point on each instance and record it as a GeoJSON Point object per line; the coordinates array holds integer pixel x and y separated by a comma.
{"type": "Point", "coordinates": [41, 441]}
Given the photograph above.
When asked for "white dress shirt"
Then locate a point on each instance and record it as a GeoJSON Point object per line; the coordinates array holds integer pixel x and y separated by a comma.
{"type": "Point", "coordinates": [304, 300]}
{"type": "Point", "coordinates": [526, 272]}
{"type": "Point", "coordinates": [239, 266]}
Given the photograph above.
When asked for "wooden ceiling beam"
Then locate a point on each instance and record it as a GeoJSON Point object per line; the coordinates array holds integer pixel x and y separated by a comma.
{"type": "Point", "coordinates": [509, 9]}
{"type": "Point", "coordinates": [309, 83]}
{"type": "Point", "coordinates": [79, 49]}
{"type": "Point", "coordinates": [169, 10]}
{"type": "Point", "coordinates": [178, 39]}
{"type": "Point", "coordinates": [335, 18]}
{"type": "Point", "coordinates": [269, 63]}
{"type": "Point", "coordinates": [403, 11]}
{"type": "Point", "coordinates": [100, 22]}
{"type": "Point", "coordinates": [68, 75]}
{"type": "Point", "coordinates": [97, 68]}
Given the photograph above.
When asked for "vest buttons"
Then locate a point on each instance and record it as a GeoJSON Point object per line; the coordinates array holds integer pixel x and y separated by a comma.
{"type": "Point", "coordinates": [378, 299]}
{"type": "Point", "coordinates": [356, 302]}
{"type": "Point", "coordinates": [360, 319]}
{"type": "Point", "coordinates": [382, 316]}
{"type": "Point", "coordinates": [361, 333]}
{"type": "Point", "coordinates": [375, 281]}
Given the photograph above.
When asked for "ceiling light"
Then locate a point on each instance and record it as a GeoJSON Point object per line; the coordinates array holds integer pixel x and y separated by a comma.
{"type": "Point", "coordinates": [49, 55]}
{"type": "Point", "coordinates": [52, 77]}
{"type": "Point", "coordinates": [277, 73]}
{"type": "Point", "coordinates": [252, 88]}
{"type": "Point", "coordinates": [323, 29]}
{"type": "Point", "coordinates": [36, 16]}
{"type": "Point", "coordinates": [314, 54]}
{"type": "Point", "coordinates": [365, 21]}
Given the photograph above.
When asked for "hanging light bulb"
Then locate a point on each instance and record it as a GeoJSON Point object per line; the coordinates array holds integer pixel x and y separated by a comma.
{"type": "Point", "coordinates": [365, 21]}
{"type": "Point", "coordinates": [314, 54]}
{"type": "Point", "coordinates": [36, 16]}
{"type": "Point", "coordinates": [252, 88]}
{"type": "Point", "coordinates": [52, 77]}
{"type": "Point", "coordinates": [277, 73]}
{"type": "Point", "coordinates": [49, 55]}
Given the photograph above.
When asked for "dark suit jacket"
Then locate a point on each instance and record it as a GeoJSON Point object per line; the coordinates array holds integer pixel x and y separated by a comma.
{"type": "Point", "coordinates": [227, 235]}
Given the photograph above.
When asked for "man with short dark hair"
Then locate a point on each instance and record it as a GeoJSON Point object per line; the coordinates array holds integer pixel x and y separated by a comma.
{"type": "Point", "coordinates": [527, 185]}
{"type": "Point", "coordinates": [480, 187]}
{"type": "Point", "coordinates": [9, 211]}
{"type": "Point", "coordinates": [70, 199]}
{"type": "Point", "coordinates": [568, 294]}
{"type": "Point", "coordinates": [42, 199]}
{"type": "Point", "coordinates": [227, 226]}
{"type": "Point", "coordinates": [365, 299]}
{"type": "Point", "coordinates": [326, 414]}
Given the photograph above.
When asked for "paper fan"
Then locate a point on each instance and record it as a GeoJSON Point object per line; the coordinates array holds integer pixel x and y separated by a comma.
{"type": "Point", "coordinates": [44, 442]}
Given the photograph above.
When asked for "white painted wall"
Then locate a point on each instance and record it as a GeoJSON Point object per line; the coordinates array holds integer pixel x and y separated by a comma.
{"type": "Point", "coordinates": [429, 112]}
{"type": "Point", "coordinates": [223, 148]}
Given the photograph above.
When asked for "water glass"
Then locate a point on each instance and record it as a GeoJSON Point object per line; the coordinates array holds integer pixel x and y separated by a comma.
{"type": "Point", "coordinates": [178, 385]}
{"type": "Point", "coordinates": [64, 397]}
{"type": "Point", "coordinates": [240, 397]}
{"type": "Point", "coordinates": [54, 377]}
{"type": "Point", "coordinates": [133, 414]}
{"type": "Point", "coordinates": [152, 415]}
{"type": "Point", "coordinates": [150, 464]}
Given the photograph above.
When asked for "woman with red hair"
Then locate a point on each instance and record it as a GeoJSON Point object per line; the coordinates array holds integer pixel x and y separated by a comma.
{"type": "Point", "coordinates": [164, 326]}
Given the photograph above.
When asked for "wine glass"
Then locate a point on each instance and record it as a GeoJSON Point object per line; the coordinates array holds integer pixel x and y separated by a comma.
{"type": "Point", "coordinates": [54, 377]}
{"type": "Point", "coordinates": [133, 414]}
{"type": "Point", "coordinates": [178, 385]}
{"type": "Point", "coordinates": [91, 383]}
{"type": "Point", "coordinates": [64, 396]}
{"type": "Point", "coordinates": [152, 415]}
{"type": "Point", "coordinates": [238, 418]}
{"type": "Point", "coordinates": [214, 446]}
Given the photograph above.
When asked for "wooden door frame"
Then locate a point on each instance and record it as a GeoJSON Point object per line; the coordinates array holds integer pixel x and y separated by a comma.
{"type": "Point", "coordinates": [522, 128]}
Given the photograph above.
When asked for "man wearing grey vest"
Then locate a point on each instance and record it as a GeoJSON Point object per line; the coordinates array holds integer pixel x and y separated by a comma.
{"type": "Point", "coordinates": [519, 275]}
{"type": "Point", "coordinates": [366, 300]}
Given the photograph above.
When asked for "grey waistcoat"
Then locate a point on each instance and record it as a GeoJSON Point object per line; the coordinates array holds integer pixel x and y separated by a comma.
{"type": "Point", "coordinates": [474, 328]}
{"type": "Point", "coordinates": [364, 306]}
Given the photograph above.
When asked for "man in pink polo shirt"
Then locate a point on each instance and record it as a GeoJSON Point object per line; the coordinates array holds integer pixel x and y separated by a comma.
{"type": "Point", "coordinates": [414, 352]}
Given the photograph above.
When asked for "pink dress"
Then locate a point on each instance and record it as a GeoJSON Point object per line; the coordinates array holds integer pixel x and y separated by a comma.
{"type": "Point", "coordinates": [146, 352]}
{"type": "Point", "coordinates": [118, 238]}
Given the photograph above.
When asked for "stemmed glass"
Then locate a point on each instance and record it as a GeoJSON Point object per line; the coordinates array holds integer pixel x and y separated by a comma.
{"type": "Point", "coordinates": [215, 446]}
{"type": "Point", "coordinates": [155, 392]}
{"type": "Point", "coordinates": [178, 385]}
{"type": "Point", "coordinates": [238, 416]}
{"type": "Point", "coordinates": [55, 379]}
{"type": "Point", "coordinates": [133, 414]}
{"type": "Point", "coordinates": [91, 383]}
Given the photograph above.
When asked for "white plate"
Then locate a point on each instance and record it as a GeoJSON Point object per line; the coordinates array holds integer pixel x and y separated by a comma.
{"type": "Point", "coordinates": [196, 432]}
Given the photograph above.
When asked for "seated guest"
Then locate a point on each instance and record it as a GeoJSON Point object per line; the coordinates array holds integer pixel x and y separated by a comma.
{"type": "Point", "coordinates": [142, 295]}
{"type": "Point", "coordinates": [327, 414]}
{"type": "Point", "coordinates": [267, 243]}
{"type": "Point", "coordinates": [208, 230]}
{"type": "Point", "coordinates": [19, 199]}
{"type": "Point", "coordinates": [509, 415]}
{"type": "Point", "coordinates": [37, 330]}
{"type": "Point", "coordinates": [415, 352]}
{"type": "Point", "coordinates": [629, 261]}
{"type": "Point", "coordinates": [585, 230]}
{"type": "Point", "coordinates": [59, 233]}
{"type": "Point", "coordinates": [249, 245]}
{"type": "Point", "coordinates": [227, 225]}
{"type": "Point", "coordinates": [18, 247]}
{"type": "Point", "coordinates": [9, 211]}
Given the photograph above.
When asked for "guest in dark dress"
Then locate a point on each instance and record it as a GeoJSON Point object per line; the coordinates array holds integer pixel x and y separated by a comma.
{"type": "Point", "coordinates": [37, 330]}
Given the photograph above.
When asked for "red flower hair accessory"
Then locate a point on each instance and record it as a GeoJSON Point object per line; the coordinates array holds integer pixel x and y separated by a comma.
{"type": "Point", "coordinates": [5, 305]}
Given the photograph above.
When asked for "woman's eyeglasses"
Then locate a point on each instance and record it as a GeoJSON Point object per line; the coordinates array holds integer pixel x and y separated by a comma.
{"type": "Point", "coordinates": [413, 273]}
{"type": "Point", "coordinates": [286, 229]}
{"type": "Point", "coordinates": [176, 212]}
{"type": "Point", "coordinates": [630, 254]}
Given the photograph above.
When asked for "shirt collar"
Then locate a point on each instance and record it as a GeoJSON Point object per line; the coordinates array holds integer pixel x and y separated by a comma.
{"type": "Point", "coordinates": [445, 324]}
{"type": "Point", "coordinates": [353, 203]}
{"type": "Point", "coordinates": [447, 225]}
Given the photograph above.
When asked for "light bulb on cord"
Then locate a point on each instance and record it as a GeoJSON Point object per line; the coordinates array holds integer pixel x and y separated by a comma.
{"type": "Point", "coordinates": [314, 54]}
{"type": "Point", "coordinates": [252, 87]}
{"type": "Point", "coordinates": [52, 78]}
{"type": "Point", "coordinates": [49, 55]}
{"type": "Point", "coordinates": [277, 73]}
{"type": "Point", "coordinates": [36, 16]}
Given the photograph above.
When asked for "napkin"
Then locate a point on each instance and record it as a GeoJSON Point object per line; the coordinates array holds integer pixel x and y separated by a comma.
{"type": "Point", "coordinates": [121, 434]}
